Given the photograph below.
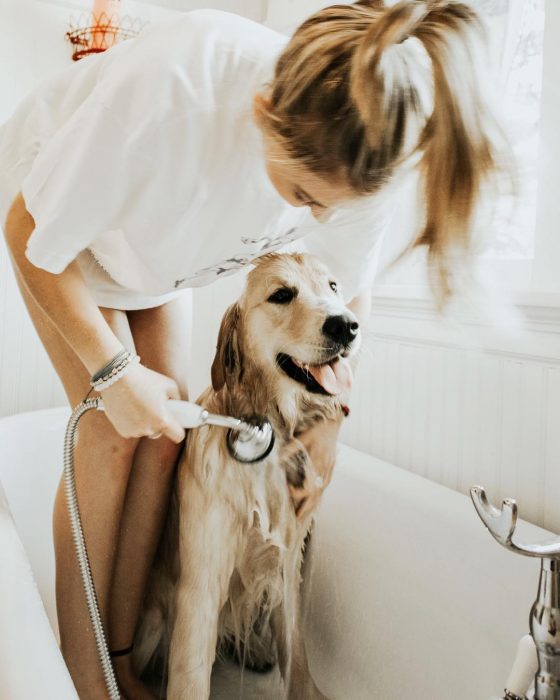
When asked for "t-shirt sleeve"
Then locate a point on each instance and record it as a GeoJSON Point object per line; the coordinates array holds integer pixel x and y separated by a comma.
{"type": "Point", "coordinates": [349, 243]}
{"type": "Point", "coordinates": [109, 164]}
{"type": "Point", "coordinates": [79, 184]}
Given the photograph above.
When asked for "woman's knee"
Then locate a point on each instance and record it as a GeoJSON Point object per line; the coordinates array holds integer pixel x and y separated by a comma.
{"type": "Point", "coordinates": [98, 437]}
{"type": "Point", "coordinates": [160, 455]}
{"type": "Point", "coordinates": [18, 220]}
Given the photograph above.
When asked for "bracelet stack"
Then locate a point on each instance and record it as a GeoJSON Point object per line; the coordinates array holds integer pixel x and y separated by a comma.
{"type": "Point", "coordinates": [113, 370]}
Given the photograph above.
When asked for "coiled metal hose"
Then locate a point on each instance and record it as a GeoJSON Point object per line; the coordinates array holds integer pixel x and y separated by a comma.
{"type": "Point", "coordinates": [80, 545]}
{"type": "Point", "coordinates": [248, 441]}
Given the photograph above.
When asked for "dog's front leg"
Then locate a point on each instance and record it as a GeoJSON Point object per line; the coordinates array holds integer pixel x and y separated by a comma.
{"type": "Point", "coordinates": [207, 547]}
{"type": "Point", "coordinates": [292, 658]}
{"type": "Point", "coordinates": [287, 628]}
{"type": "Point", "coordinates": [301, 685]}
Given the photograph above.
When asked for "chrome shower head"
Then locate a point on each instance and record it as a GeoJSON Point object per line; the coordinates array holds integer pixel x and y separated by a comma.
{"type": "Point", "coordinates": [248, 439]}
{"type": "Point", "coordinates": [251, 441]}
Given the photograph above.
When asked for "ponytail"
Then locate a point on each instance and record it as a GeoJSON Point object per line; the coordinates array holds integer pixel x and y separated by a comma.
{"type": "Point", "coordinates": [459, 140]}
{"type": "Point", "coordinates": [363, 89]}
{"type": "Point", "coordinates": [452, 128]}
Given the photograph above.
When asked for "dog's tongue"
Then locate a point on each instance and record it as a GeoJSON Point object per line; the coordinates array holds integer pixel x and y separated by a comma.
{"type": "Point", "coordinates": [334, 377]}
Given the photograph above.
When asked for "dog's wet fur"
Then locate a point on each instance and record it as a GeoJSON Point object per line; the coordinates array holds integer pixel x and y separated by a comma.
{"type": "Point", "coordinates": [226, 577]}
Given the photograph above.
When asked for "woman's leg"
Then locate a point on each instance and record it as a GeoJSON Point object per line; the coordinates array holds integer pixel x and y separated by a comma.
{"type": "Point", "coordinates": [102, 463]}
{"type": "Point", "coordinates": [161, 336]}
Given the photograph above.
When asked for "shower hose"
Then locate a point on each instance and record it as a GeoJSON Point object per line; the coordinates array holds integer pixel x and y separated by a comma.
{"type": "Point", "coordinates": [248, 440]}
{"type": "Point", "coordinates": [80, 545]}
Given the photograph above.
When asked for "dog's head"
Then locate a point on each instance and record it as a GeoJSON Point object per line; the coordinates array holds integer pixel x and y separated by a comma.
{"type": "Point", "coordinates": [291, 329]}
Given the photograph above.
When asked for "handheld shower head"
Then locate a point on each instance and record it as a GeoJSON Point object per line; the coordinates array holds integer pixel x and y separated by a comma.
{"type": "Point", "coordinates": [252, 441]}
{"type": "Point", "coordinates": [249, 439]}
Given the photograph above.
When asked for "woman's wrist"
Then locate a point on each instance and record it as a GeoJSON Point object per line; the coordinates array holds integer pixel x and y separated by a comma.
{"type": "Point", "coordinates": [99, 353]}
{"type": "Point", "coordinates": [114, 370]}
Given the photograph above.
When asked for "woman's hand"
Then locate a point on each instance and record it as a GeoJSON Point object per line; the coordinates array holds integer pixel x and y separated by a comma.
{"type": "Point", "coordinates": [136, 404]}
{"type": "Point", "coordinates": [309, 461]}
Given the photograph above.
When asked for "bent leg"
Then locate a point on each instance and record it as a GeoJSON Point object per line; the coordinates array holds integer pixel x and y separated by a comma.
{"type": "Point", "coordinates": [287, 627]}
{"type": "Point", "coordinates": [161, 336]}
{"type": "Point", "coordinates": [209, 540]}
{"type": "Point", "coordinates": [102, 461]}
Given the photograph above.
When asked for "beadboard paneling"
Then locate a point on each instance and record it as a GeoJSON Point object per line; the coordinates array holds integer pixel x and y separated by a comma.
{"type": "Point", "coordinates": [462, 416]}
{"type": "Point", "coordinates": [549, 452]}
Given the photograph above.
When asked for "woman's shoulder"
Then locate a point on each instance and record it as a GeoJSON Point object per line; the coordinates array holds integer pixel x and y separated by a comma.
{"type": "Point", "coordinates": [189, 40]}
{"type": "Point", "coordinates": [199, 58]}
{"type": "Point", "coordinates": [188, 60]}
{"type": "Point", "coordinates": [223, 30]}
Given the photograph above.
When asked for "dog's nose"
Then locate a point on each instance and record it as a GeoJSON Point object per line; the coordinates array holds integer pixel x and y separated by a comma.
{"type": "Point", "coordinates": [342, 329]}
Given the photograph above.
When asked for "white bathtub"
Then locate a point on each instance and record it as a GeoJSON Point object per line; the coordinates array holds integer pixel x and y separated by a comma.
{"type": "Point", "coordinates": [410, 598]}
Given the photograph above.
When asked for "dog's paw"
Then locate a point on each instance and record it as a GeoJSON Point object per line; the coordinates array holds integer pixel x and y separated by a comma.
{"type": "Point", "coordinates": [258, 665]}
{"type": "Point", "coordinates": [294, 459]}
{"type": "Point", "coordinates": [305, 484]}
{"type": "Point", "coordinates": [259, 660]}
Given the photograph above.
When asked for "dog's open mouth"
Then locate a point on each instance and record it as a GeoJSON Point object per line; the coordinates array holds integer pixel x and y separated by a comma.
{"type": "Point", "coordinates": [329, 378]}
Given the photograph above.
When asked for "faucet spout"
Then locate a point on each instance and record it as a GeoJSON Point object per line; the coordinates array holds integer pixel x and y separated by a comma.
{"type": "Point", "coordinates": [544, 618]}
{"type": "Point", "coordinates": [501, 523]}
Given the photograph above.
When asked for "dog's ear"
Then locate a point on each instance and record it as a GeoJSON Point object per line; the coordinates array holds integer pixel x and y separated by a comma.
{"type": "Point", "coordinates": [227, 364]}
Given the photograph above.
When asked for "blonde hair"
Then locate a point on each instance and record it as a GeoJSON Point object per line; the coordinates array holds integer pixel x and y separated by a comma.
{"type": "Point", "coordinates": [361, 88]}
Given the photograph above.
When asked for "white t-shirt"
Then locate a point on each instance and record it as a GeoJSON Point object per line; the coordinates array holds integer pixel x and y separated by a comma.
{"type": "Point", "coordinates": [148, 155]}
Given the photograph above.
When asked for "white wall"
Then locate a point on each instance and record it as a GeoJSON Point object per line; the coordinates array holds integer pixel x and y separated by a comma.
{"type": "Point", "coordinates": [428, 399]}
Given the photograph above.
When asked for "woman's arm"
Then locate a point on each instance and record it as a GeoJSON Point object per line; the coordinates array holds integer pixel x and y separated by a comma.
{"type": "Point", "coordinates": [136, 405]}
{"type": "Point", "coordinates": [64, 297]}
{"type": "Point", "coordinates": [361, 306]}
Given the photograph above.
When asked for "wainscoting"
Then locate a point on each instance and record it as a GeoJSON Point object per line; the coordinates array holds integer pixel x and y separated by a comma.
{"type": "Point", "coordinates": [463, 415]}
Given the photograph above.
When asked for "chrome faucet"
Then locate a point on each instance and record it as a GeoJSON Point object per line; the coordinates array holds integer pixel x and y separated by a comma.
{"type": "Point", "coordinates": [544, 618]}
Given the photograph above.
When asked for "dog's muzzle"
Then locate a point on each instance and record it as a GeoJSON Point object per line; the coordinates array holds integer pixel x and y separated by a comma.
{"type": "Point", "coordinates": [342, 329]}
{"type": "Point", "coordinates": [332, 375]}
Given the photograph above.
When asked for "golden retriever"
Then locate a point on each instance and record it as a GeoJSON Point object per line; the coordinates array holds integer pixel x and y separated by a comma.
{"type": "Point", "coordinates": [227, 573]}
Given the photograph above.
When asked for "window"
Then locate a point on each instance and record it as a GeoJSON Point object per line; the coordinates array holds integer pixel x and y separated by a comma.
{"type": "Point", "coordinates": [522, 252]}
{"type": "Point", "coordinates": [516, 33]}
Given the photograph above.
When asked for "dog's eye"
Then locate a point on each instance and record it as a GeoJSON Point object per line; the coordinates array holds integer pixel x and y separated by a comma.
{"type": "Point", "coordinates": [333, 286]}
{"type": "Point", "coordinates": [284, 295]}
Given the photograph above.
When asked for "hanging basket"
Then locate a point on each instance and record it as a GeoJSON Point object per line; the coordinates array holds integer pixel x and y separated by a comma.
{"type": "Point", "coordinates": [91, 34]}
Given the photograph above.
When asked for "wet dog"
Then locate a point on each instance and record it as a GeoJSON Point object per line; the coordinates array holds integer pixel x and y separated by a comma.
{"type": "Point", "coordinates": [227, 573]}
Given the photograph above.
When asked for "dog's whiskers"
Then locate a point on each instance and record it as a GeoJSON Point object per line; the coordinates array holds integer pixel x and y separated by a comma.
{"type": "Point", "coordinates": [284, 350]}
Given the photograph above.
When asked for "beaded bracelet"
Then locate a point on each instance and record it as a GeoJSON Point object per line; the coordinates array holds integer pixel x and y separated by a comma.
{"type": "Point", "coordinates": [101, 386]}
{"type": "Point", "coordinates": [119, 357]}
{"type": "Point", "coordinates": [114, 370]}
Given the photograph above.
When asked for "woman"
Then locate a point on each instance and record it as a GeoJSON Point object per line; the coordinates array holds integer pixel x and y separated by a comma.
{"type": "Point", "coordinates": [175, 159]}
